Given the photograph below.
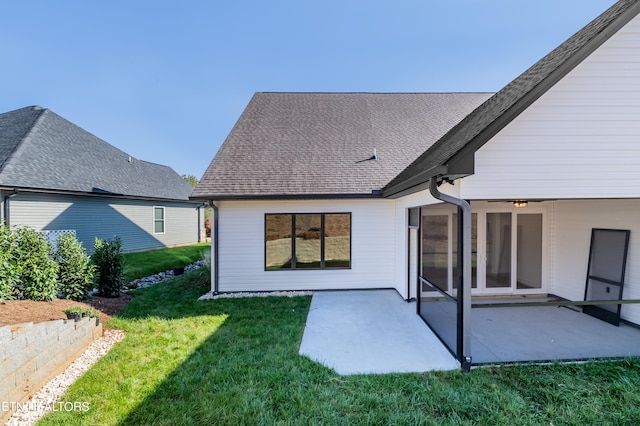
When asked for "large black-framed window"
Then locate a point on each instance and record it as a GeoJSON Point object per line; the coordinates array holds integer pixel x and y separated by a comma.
{"type": "Point", "coordinates": [307, 241]}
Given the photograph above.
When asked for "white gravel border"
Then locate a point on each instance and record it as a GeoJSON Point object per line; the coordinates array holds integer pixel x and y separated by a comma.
{"type": "Point", "coordinates": [45, 399]}
{"type": "Point", "coordinates": [240, 294]}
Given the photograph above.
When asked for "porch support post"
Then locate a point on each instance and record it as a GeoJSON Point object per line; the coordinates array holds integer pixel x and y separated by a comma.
{"type": "Point", "coordinates": [464, 282]}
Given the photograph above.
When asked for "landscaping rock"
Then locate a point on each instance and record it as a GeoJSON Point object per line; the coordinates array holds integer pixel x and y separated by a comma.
{"type": "Point", "coordinates": [160, 277]}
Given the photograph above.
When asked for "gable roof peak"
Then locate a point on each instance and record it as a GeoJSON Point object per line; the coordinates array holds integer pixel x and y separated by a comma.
{"type": "Point", "coordinates": [456, 148]}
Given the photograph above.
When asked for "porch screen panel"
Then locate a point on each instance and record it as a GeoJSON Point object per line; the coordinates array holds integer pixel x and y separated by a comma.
{"type": "Point", "coordinates": [441, 314]}
{"type": "Point", "coordinates": [435, 250]}
{"type": "Point", "coordinates": [474, 250]}
{"type": "Point", "coordinates": [605, 276]}
{"type": "Point", "coordinates": [308, 240]}
{"type": "Point", "coordinates": [278, 248]}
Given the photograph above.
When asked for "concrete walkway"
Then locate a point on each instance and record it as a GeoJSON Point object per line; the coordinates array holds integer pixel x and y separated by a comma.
{"type": "Point", "coordinates": [371, 332]}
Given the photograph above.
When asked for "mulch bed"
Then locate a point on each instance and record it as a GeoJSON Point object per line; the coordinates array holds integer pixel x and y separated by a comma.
{"type": "Point", "coordinates": [20, 311]}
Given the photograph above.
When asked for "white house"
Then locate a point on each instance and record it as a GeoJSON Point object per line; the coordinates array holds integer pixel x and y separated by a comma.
{"type": "Point", "coordinates": [332, 190]}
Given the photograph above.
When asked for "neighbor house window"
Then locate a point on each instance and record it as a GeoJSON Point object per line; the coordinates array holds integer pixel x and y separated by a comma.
{"type": "Point", "coordinates": [158, 220]}
{"type": "Point", "coordinates": [307, 241]}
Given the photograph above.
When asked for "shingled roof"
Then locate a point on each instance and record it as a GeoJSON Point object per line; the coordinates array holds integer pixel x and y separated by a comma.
{"type": "Point", "coordinates": [322, 144]}
{"type": "Point", "coordinates": [456, 148]}
{"type": "Point", "coordinates": [39, 150]}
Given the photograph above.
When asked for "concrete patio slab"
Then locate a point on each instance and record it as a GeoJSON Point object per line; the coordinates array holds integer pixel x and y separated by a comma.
{"type": "Point", "coordinates": [371, 332]}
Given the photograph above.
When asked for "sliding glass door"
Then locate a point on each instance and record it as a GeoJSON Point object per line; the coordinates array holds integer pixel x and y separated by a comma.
{"type": "Point", "coordinates": [507, 250]}
{"type": "Point", "coordinates": [498, 251]}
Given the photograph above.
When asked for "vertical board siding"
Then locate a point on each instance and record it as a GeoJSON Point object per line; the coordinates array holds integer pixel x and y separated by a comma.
{"type": "Point", "coordinates": [242, 245]}
{"type": "Point", "coordinates": [90, 217]}
{"type": "Point", "coordinates": [579, 140]}
{"type": "Point", "coordinates": [573, 221]}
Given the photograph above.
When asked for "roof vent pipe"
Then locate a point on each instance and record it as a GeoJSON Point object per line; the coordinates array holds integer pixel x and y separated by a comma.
{"type": "Point", "coordinates": [375, 154]}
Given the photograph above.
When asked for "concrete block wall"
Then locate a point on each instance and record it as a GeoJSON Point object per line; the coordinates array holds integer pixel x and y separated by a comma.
{"type": "Point", "coordinates": [32, 354]}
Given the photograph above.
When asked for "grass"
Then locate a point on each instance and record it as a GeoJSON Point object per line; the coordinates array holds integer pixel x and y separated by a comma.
{"type": "Point", "coordinates": [235, 361]}
{"type": "Point", "coordinates": [143, 264]}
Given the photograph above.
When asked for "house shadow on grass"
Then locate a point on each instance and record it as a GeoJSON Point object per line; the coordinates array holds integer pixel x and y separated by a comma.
{"type": "Point", "coordinates": [243, 369]}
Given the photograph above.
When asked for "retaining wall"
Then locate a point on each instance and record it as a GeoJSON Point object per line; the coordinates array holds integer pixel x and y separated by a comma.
{"type": "Point", "coordinates": [32, 354]}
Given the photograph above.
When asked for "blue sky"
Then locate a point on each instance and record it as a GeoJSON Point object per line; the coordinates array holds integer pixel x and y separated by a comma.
{"type": "Point", "coordinates": [165, 81]}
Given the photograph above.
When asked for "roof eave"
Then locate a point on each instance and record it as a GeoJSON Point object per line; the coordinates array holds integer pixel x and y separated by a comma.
{"type": "Point", "coordinates": [414, 184]}
{"type": "Point", "coordinates": [240, 197]}
{"type": "Point", "coordinates": [20, 189]}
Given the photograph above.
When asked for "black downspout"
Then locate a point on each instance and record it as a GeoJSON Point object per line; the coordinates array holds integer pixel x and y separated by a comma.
{"type": "Point", "coordinates": [408, 265]}
{"type": "Point", "coordinates": [464, 265]}
{"type": "Point", "coordinates": [7, 210]}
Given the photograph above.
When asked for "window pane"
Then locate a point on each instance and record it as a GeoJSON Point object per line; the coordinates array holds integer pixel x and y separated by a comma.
{"type": "Point", "coordinates": [498, 250]}
{"type": "Point", "coordinates": [337, 240]}
{"type": "Point", "coordinates": [158, 227]}
{"type": "Point", "coordinates": [158, 213]}
{"type": "Point", "coordinates": [435, 250]}
{"type": "Point", "coordinates": [529, 251]}
{"type": "Point", "coordinates": [278, 241]}
{"type": "Point", "coordinates": [308, 236]}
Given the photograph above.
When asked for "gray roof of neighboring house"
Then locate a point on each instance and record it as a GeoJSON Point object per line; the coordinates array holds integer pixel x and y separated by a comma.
{"type": "Point", "coordinates": [486, 121]}
{"type": "Point", "coordinates": [42, 151]}
{"type": "Point", "coordinates": [321, 144]}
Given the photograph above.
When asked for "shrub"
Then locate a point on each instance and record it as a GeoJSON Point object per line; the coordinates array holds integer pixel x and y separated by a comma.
{"type": "Point", "coordinates": [205, 256]}
{"type": "Point", "coordinates": [80, 311]}
{"type": "Point", "coordinates": [9, 272]}
{"type": "Point", "coordinates": [37, 271]}
{"type": "Point", "coordinates": [75, 270]}
{"type": "Point", "coordinates": [107, 257]}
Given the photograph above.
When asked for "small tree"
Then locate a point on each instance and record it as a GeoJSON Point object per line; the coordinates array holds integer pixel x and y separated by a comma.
{"type": "Point", "coordinates": [37, 270]}
{"type": "Point", "coordinates": [109, 263]}
{"type": "Point", "coordinates": [75, 270]}
{"type": "Point", "coordinates": [9, 272]}
{"type": "Point", "coordinates": [193, 181]}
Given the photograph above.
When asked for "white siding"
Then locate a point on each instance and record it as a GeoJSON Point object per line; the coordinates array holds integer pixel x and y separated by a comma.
{"type": "Point", "coordinates": [573, 221]}
{"type": "Point", "coordinates": [90, 217]}
{"type": "Point", "coordinates": [418, 199]}
{"type": "Point", "coordinates": [241, 246]}
{"type": "Point", "coordinates": [579, 140]}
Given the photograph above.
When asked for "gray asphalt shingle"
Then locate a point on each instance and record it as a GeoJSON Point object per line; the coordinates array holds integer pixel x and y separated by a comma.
{"type": "Point", "coordinates": [41, 150]}
{"type": "Point", "coordinates": [297, 144]}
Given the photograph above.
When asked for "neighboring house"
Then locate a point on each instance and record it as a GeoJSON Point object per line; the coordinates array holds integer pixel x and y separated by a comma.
{"type": "Point", "coordinates": [332, 190]}
{"type": "Point", "coordinates": [56, 176]}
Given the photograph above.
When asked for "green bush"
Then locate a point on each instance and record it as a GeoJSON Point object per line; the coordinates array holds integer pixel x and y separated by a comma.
{"type": "Point", "coordinates": [75, 270]}
{"type": "Point", "coordinates": [80, 311]}
{"type": "Point", "coordinates": [36, 269]}
{"type": "Point", "coordinates": [107, 257]}
{"type": "Point", "coordinates": [205, 256]}
{"type": "Point", "coordinates": [9, 272]}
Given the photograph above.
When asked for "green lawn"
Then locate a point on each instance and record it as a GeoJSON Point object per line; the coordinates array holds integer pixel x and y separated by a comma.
{"type": "Point", "coordinates": [145, 263]}
{"type": "Point", "coordinates": [235, 361]}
